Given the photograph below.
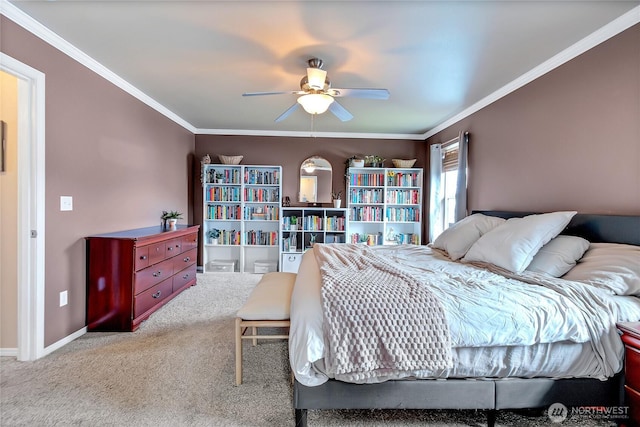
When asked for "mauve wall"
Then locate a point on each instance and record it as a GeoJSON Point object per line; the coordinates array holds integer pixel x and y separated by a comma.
{"type": "Point", "coordinates": [290, 152]}
{"type": "Point", "coordinates": [122, 162]}
{"type": "Point", "coordinates": [568, 140]}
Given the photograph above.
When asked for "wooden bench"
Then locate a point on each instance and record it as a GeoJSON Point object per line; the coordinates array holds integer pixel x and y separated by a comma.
{"type": "Point", "coordinates": [268, 306]}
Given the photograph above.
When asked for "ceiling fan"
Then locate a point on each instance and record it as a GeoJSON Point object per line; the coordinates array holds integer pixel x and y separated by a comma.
{"type": "Point", "coordinates": [317, 95]}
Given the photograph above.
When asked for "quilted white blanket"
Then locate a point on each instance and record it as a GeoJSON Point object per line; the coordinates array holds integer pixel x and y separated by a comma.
{"type": "Point", "coordinates": [379, 321]}
{"type": "Point", "coordinates": [499, 324]}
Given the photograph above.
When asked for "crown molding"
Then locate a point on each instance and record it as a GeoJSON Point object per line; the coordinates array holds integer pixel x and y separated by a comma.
{"type": "Point", "coordinates": [611, 29]}
{"type": "Point", "coordinates": [39, 30]}
{"type": "Point", "coordinates": [27, 22]}
{"type": "Point", "coordinates": [298, 134]}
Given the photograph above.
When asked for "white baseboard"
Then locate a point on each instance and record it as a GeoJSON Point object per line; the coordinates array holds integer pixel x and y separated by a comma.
{"type": "Point", "coordinates": [8, 352]}
{"type": "Point", "coordinates": [64, 341]}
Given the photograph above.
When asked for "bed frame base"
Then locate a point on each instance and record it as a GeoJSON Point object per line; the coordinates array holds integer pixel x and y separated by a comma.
{"type": "Point", "coordinates": [489, 395]}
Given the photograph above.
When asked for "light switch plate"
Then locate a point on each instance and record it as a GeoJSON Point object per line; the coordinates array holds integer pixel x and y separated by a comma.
{"type": "Point", "coordinates": [63, 298]}
{"type": "Point", "coordinates": [66, 203]}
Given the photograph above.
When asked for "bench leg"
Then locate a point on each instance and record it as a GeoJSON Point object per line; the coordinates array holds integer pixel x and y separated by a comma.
{"type": "Point", "coordinates": [238, 352]}
{"type": "Point", "coordinates": [254, 330]}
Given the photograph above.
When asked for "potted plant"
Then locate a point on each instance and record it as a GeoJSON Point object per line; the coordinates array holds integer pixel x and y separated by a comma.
{"type": "Point", "coordinates": [336, 196]}
{"type": "Point", "coordinates": [219, 177]}
{"type": "Point", "coordinates": [293, 222]}
{"type": "Point", "coordinates": [374, 161]}
{"type": "Point", "coordinates": [213, 235]}
{"type": "Point", "coordinates": [170, 219]}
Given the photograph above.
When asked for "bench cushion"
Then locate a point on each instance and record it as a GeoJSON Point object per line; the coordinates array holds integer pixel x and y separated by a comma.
{"type": "Point", "coordinates": [270, 299]}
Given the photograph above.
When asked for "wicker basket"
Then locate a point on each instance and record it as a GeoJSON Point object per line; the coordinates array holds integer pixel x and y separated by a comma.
{"type": "Point", "coordinates": [399, 163]}
{"type": "Point", "coordinates": [230, 160]}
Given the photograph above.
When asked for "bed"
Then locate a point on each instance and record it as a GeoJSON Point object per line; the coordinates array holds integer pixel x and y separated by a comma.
{"type": "Point", "coordinates": [587, 367]}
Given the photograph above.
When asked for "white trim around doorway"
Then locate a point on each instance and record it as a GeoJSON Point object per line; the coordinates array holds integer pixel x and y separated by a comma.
{"type": "Point", "coordinates": [31, 206]}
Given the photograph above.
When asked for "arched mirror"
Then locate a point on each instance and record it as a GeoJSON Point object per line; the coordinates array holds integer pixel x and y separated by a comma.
{"type": "Point", "coordinates": [315, 181]}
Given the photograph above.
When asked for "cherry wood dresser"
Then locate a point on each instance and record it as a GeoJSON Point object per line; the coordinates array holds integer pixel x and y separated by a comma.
{"type": "Point", "coordinates": [631, 339]}
{"type": "Point", "coordinates": [132, 273]}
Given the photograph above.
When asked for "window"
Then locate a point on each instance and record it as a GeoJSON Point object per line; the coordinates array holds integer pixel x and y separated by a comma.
{"type": "Point", "coordinates": [448, 184]}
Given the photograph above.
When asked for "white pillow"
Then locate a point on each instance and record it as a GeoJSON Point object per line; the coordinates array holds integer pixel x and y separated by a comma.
{"type": "Point", "coordinates": [559, 255]}
{"type": "Point", "coordinates": [513, 244]}
{"type": "Point", "coordinates": [457, 239]}
{"type": "Point", "coordinates": [612, 266]}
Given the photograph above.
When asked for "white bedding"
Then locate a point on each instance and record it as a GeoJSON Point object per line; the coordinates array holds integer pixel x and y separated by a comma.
{"type": "Point", "coordinates": [492, 336]}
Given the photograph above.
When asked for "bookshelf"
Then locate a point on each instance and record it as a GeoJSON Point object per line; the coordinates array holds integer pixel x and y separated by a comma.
{"type": "Point", "coordinates": [301, 227]}
{"type": "Point", "coordinates": [241, 202]}
{"type": "Point", "coordinates": [385, 205]}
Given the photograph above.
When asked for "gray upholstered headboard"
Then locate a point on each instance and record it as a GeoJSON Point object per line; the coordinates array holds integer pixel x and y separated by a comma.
{"type": "Point", "coordinates": [594, 228]}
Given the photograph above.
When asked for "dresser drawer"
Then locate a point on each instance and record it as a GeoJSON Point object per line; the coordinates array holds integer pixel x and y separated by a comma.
{"type": "Point", "coordinates": [190, 241]}
{"type": "Point", "coordinates": [141, 255]}
{"type": "Point", "coordinates": [151, 275]}
{"type": "Point", "coordinates": [183, 277]}
{"type": "Point", "coordinates": [149, 298]}
{"type": "Point", "coordinates": [184, 260]}
{"type": "Point", "coordinates": [291, 262]}
{"type": "Point", "coordinates": [156, 252]}
{"type": "Point", "coordinates": [173, 247]}
{"type": "Point", "coordinates": [632, 367]}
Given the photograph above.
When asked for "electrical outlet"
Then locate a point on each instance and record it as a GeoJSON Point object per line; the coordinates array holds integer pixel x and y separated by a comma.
{"type": "Point", "coordinates": [63, 298]}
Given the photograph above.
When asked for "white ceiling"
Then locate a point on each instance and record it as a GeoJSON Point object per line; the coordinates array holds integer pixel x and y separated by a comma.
{"type": "Point", "coordinates": [437, 58]}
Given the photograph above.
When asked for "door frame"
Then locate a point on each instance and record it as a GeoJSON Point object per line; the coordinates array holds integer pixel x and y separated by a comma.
{"type": "Point", "coordinates": [31, 206]}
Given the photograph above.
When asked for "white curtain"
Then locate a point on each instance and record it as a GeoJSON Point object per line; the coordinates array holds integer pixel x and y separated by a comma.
{"type": "Point", "coordinates": [436, 196]}
{"type": "Point", "coordinates": [436, 190]}
{"type": "Point", "coordinates": [461, 185]}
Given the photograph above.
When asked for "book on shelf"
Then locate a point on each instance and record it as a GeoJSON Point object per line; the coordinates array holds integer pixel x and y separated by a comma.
{"type": "Point", "coordinates": [261, 177]}
{"type": "Point", "coordinates": [367, 179]}
{"type": "Point", "coordinates": [366, 213]}
{"type": "Point", "coordinates": [261, 238]}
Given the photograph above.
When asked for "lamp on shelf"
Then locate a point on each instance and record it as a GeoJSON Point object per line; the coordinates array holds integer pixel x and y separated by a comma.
{"type": "Point", "coordinates": [315, 103]}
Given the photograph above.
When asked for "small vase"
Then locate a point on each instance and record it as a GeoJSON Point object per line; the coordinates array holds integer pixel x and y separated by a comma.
{"type": "Point", "coordinates": [337, 203]}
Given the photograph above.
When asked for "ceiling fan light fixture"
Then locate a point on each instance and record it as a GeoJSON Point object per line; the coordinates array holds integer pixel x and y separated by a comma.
{"type": "Point", "coordinates": [316, 78]}
{"type": "Point", "coordinates": [315, 103]}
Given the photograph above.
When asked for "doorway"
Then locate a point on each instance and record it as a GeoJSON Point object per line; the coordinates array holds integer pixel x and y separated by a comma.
{"type": "Point", "coordinates": [30, 206]}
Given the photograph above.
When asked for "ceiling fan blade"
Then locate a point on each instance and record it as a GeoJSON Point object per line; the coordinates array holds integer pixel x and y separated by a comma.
{"type": "Point", "coordinates": [287, 113]}
{"type": "Point", "coordinates": [288, 92]}
{"type": "Point", "coordinates": [340, 112]}
{"type": "Point", "coordinates": [360, 93]}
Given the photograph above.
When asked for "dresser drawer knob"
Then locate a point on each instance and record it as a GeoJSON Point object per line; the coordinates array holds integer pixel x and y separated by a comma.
{"type": "Point", "coordinates": [157, 274]}
{"type": "Point", "coordinates": [186, 276]}
{"type": "Point", "coordinates": [187, 259]}
{"type": "Point", "coordinates": [157, 294]}
{"type": "Point", "coordinates": [169, 248]}
{"type": "Point", "coordinates": [143, 257]}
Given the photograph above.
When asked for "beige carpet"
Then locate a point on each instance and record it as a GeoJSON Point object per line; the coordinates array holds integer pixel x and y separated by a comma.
{"type": "Point", "coordinates": [178, 370]}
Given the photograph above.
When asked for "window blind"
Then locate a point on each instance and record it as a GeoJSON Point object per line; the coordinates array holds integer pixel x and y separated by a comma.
{"type": "Point", "coordinates": [450, 158]}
